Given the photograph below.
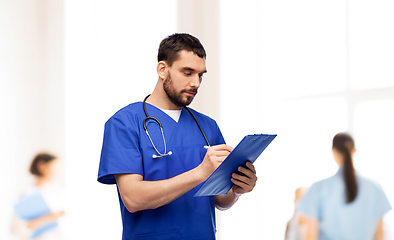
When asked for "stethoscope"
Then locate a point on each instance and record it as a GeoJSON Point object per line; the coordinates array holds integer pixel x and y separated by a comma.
{"type": "Point", "coordinates": [162, 133]}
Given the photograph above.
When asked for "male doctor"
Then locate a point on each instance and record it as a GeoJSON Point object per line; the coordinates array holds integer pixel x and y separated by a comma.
{"type": "Point", "coordinates": [156, 192]}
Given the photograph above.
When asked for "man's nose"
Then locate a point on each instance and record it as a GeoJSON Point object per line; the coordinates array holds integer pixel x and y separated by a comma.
{"type": "Point", "coordinates": [196, 81]}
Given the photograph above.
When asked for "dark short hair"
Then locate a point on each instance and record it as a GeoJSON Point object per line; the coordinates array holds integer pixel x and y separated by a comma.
{"type": "Point", "coordinates": [39, 158]}
{"type": "Point", "coordinates": [171, 46]}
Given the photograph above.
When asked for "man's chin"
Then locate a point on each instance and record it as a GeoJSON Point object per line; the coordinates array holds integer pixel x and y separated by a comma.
{"type": "Point", "coordinates": [184, 104]}
{"type": "Point", "coordinates": [189, 101]}
{"type": "Point", "coordinates": [183, 101]}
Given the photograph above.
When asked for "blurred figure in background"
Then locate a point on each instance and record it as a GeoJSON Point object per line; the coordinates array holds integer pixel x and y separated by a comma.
{"type": "Point", "coordinates": [40, 207]}
{"type": "Point", "coordinates": [346, 205]}
{"type": "Point", "coordinates": [296, 227]}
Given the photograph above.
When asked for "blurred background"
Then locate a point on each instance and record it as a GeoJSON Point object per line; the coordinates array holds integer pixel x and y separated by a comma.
{"type": "Point", "coordinates": [304, 70]}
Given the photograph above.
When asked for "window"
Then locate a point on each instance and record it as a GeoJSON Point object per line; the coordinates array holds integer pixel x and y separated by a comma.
{"type": "Point", "coordinates": [305, 70]}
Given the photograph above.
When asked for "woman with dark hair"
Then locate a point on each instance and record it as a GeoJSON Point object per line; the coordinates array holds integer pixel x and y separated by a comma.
{"type": "Point", "coordinates": [44, 192]}
{"type": "Point", "coordinates": [346, 205]}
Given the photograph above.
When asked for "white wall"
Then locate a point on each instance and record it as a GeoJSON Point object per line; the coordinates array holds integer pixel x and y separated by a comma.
{"type": "Point", "coordinates": [31, 93]}
{"type": "Point", "coordinates": [111, 56]}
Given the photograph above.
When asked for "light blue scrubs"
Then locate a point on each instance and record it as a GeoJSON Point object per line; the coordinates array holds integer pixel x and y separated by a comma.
{"type": "Point", "coordinates": [326, 201]}
{"type": "Point", "coordinates": [127, 149]}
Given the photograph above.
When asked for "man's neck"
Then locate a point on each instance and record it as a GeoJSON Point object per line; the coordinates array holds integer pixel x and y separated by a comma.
{"type": "Point", "coordinates": [161, 100]}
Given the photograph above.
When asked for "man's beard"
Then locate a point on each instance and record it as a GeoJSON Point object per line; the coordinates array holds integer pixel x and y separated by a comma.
{"type": "Point", "coordinates": [176, 97]}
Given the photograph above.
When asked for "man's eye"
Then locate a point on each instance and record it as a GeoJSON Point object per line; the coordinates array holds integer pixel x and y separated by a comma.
{"type": "Point", "coordinates": [188, 73]}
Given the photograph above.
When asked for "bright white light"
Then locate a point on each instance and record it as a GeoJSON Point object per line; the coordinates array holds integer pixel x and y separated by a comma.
{"type": "Point", "coordinates": [284, 70]}
{"type": "Point", "coordinates": [371, 47]}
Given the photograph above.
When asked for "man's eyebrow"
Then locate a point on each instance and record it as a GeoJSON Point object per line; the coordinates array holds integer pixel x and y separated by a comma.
{"type": "Point", "coordinates": [192, 69]}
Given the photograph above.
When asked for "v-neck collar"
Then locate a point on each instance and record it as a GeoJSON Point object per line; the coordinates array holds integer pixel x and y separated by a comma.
{"type": "Point", "coordinates": [174, 114]}
{"type": "Point", "coordinates": [161, 111]}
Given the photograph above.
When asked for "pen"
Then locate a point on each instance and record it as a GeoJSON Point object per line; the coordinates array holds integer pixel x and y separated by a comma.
{"type": "Point", "coordinates": [206, 147]}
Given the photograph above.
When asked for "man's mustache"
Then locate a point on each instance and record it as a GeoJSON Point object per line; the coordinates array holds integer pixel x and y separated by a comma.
{"type": "Point", "coordinates": [192, 90]}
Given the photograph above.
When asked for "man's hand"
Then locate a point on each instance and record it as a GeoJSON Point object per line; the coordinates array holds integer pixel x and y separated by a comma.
{"type": "Point", "coordinates": [243, 182]}
{"type": "Point", "coordinates": [246, 182]}
{"type": "Point", "coordinates": [214, 157]}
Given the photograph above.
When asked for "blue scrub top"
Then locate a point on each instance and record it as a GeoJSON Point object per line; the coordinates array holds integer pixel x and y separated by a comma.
{"type": "Point", "coordinates": [127, 149]}
{"type": "Point", "coordinates": [326, 201]}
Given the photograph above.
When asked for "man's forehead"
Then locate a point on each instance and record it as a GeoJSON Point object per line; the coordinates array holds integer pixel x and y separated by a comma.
{"type": "Point", "coordinates": [190, 61]}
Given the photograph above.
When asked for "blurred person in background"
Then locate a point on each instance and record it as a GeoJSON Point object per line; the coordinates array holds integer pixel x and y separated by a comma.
{"type": "Point", "coordinates": [40, 207]}
{"type": "Point", "coordinates": [296, 228]}
{"type": "Point", "coordinates": [346, 205]}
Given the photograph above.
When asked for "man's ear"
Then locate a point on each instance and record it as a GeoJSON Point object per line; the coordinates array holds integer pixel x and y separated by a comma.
{"type": "Point", "coordinates": [162, 69]}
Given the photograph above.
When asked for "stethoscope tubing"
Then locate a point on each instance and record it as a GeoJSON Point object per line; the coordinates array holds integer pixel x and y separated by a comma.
{"type": "Point", "coordinates": [161, 129]}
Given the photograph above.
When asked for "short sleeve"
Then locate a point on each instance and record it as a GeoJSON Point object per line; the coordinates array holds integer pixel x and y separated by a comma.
{"type": "Point", "coordinates": [219, 139]}
{"type": "Point", "coordinates": [383, 204]}
{"type": "Point", "coordinates": [309, 204]}
{"type": "Point", "coordinates": [120, 152]}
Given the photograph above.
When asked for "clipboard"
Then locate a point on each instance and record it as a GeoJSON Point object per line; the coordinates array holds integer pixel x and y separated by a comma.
{"type": "Point", "coordinates": [249, 149]}
{"type": "Point", "coordinates": [33, 206]}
